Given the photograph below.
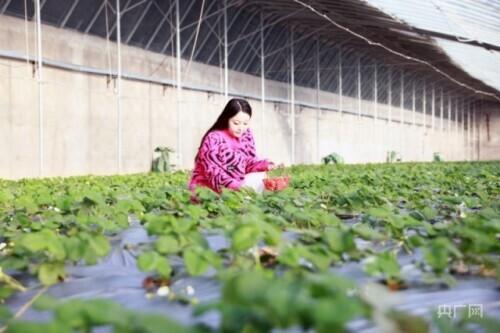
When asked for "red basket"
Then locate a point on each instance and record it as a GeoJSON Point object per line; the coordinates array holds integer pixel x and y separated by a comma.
{"type": "Point", "coordinates": [276, 183]}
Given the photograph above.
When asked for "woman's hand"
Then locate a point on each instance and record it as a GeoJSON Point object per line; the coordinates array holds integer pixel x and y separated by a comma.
{"type": "Point", "coordinates": [273, 166]}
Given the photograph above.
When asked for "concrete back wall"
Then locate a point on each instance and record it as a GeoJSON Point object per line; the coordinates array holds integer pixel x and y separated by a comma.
{"type": "Point", "coordinates": [81, 119]}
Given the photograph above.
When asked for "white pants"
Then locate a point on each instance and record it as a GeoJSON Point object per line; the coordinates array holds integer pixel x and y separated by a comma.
{"type": "Point", "coordinates": [254, 180]}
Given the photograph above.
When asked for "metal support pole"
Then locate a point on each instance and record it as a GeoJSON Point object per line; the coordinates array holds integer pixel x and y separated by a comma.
{"type": "Point", "coordinates": [449, 114]}
{"type": "Point", "coordinates": [119, 84]}
{"type": "Point", "coordinates": [474, 133]}
{"type": "Point", "coordinates": [469, 145]}
{"type": "Point", "coordinates": [456, 128]}
{"type": "Point", "coordinates": [375, 93]}
{"type": "Point", "coordinates": [359, 88]}
{"type": "Point", "coordinates": [401, 113]}
{"type": "Point", "coordinates": [226, 57]}
{"type": "Point", "coordinates": [402, 99]}
{"type": "Point", "coordinates": [318, 110]}
{"type": "Point", "coordinates": [292, 97]}
{"type": "Point", "coordinates": [390, 96]}
{"type": "Point", "coordinates": [456, 115]}
{"type": "Point", "coordinates": [424, 108]}
{"type": "Point", "coordinates": [433, 106]}
{"type": "Point", "coordinates": [413, 104]}
{"type": "Point", "coordinates": [262, 75]}
{"type": "Point", "coordinates": [40, 89]}
{"type": "Point", "coordinates": [449, 125]}
{"type": "Point", "coordinates": [68, 14]}
{"type": "Point", "coordinates": [424, 111]}
{"type": "Point", "coordinates": [463, 128]}
{"type": "Point", "coordinates": [441, 111]}
{"type": "Point", "coordinates": [178, 79]}
{"type": "Point", "coordinates": [340, 82]}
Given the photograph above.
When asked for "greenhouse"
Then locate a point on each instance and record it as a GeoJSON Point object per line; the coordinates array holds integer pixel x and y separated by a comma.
{"type": "Point", "coordinates": [365, 197]}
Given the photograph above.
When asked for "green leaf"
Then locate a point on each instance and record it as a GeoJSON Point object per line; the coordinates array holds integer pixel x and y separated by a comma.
{"type": "Point", "coordinates": [46, 303]}
{"type": "Point", "coordinates": [195, 261]}
{"type": "Point", "coordinates": [366, 232]}
{"type": "Point", "coordinates": [72, 313]}
{"type": "Point", "coordinates": [34, 242]}
{"type": "Point", "coordinates": [272, 235]}
{"type": "Point", "coordinates": [163, 267]}
{"type": "Point", "coordinates": [380, 212]}
{"type": "Point", "coordinates": [5, 314]}
{"type": "Point", "coordinates": [147, 261]}
{"type": "Point", "coordinates": [56, 249]}
{"type": "Point", "coordinates": [290, 256]}
{"type": "Point", "coordinates": [93, 199]}
{"type": "Point", "coordinates": [339, 241]}
{"type": "Point", "coordinates": [26, 203]}
{"type": "Point", "coordinates": [100, 245]}
{"type": "Point", "coordinates": [167, 244]}
{"type": "Point", "coordinates": [429, 213]}
{"type": "Point", "coordinates": [385, 264]}
{"type": "Point", "coordinates": [245, 237]}
{"type": "Point", "coordinates": [50, 273]}
{"type": "Point", "coordinates": [438, 252]}
{"type": "Point", "coordinates": [27, 327]}
{"type": "Point", "coordinates": [103, 312]}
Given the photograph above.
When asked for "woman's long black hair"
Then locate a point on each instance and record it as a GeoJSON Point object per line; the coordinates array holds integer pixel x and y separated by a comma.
{"type": "Point", "coordinates": [232, 108]}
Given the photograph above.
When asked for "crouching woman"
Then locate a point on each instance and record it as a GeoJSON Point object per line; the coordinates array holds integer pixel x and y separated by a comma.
{"type": "Point", "coordinates": [226, 156]}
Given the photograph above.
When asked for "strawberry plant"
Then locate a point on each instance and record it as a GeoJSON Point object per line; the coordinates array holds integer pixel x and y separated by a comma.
{"type": "Point", "coordinates": [281, 245]}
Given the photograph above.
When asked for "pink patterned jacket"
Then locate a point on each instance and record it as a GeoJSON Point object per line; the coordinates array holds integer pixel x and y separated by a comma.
{"type": "Point", "coordinates": [224, 160]}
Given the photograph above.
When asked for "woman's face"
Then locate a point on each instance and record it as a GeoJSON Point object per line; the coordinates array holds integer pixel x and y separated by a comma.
{"type": "Point", "coordinates": [239, 124]}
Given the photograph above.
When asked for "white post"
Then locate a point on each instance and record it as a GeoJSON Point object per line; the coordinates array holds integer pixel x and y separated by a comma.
{"type": "Point", "coordinates": [433, 106]}
{"type": "Point", "coordinates": [448, 136]}
{"type": "Point", "coordinates": [40, 90]}
{"type": "Point", "coordinates": [413, 111]}
{"type": "Point", "coordinates": [358, 126]}
{"type": "Point", "coordinates": [390, 97]}
{"type": "Point", "coordinates": [424, 108]}
{"type": "Point", "coordinates": [449, 114]}
{"type": "Point", "coordinates": [292, 69]}
{"type": "Point", "coordinates": [474, 133]}
{"type": "Point", "coordinates": [226, 68]}
{"type": "Point", "coordinates": [375, 92]}
{"type": "Point", "coordinates": [340, 82]}
{"type": "Point", "coordinates": [119, 85]}
{"type": "Point", "coordinates": [318, 110]}
{"type": "Point", "coordinates": [401, 113]}
{"type": "Point", "coordinates": [389, 116]}
{"type": "Point", "coordinates": [469, 145]}
{"type": "Point", "coordinates": [359, 89]}
{"type": "Point", "coordinates": [413, 104]}
{"type": "Point", "coordinates": [178, 80]}
{"type": "Point", "coordinates": [456, 128]}
{"type": "Point", "coordinates": [433, 111]}
{"type": "Point", "coordinates": [342, 123]}
{"type": "Point", "coordinates": [440, 142]}
{"type": "Point", "coordinates": [262, 77]}
{"type": "Point", "coordinates": [441, 111]}
{"type": "Point", "coordinates": [463, 130]}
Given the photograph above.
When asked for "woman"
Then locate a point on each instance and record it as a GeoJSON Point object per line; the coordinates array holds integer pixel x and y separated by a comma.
{"type": "Point", "coordinates": [226, 157]}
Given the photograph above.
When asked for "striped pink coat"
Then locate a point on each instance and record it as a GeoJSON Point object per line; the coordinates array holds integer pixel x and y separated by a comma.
{"type": "Point", "coordinates": [224, 160]}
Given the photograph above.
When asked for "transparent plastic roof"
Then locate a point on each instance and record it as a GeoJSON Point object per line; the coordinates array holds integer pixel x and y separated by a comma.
{"type": "Point", "coordinates": [468, 20]}
{"type": "Point", "coordinates": [477, 20]}
{"type": "Point", "coordinates": [481, 63]}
